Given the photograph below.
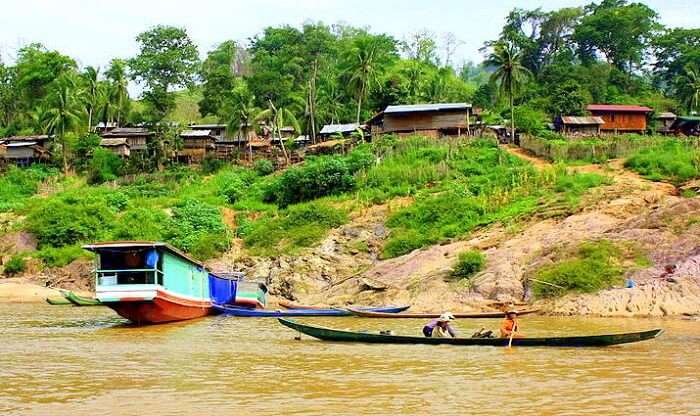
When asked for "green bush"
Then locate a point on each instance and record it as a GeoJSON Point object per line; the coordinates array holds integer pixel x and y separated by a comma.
{"type": "Point", "coordinates": [318, 177]}
{"type": "Point", "coordinates": [69, 220]}
{"type": "Point", "coordinates": [468, 264]}
{"type": "Point", "coordinates": [104, 166]}
{"type": "Point", "coordinates": [60, 256]}
{"type": "Point", "coordinates": [529, 120]}
{"type": "Point", "coordinates": [210, 164]}
{"type": "Point", "coordinates": [593, 267]}
{"type": "Point", "coordinates": [18, 184]}
{"type": "Point", "coordinates": [141, 224]}
{"type": "Point", "coordinates": [15, 265]}
{"type": "Point", "coordinates": [263, 167]}
{"type": "Point", "coordinates": [197, 228]}
{"type": "Point", "coordinates": [296, 227]}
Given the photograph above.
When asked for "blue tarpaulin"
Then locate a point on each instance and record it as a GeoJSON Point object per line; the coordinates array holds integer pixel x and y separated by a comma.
{"type": "Point", "coordinates": [221, 290]}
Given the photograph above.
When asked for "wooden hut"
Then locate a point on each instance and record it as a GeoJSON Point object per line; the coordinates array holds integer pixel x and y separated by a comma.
{"type": "Point", "coordinates": [119, 147]}
{"type": "Point", "coordinates": [216, 130]}
{"type": "Point", "coordinates": [24, 150]}
{"type": "Point", "coordinates": [664, 121]}
{"type": "Point", "coordinates": [621, 118]}
{"type": "Point", "coordinates": [578, 126]}
{"type": "Point", "coordinates": [434, 120]}
{"type": "Point", "coordinates": [195, 145]}
{"type": "Point", "coordinates": [136, 137]}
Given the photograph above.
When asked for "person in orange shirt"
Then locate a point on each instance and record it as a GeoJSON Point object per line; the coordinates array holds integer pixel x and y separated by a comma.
{"type": "Point", "coordinates": [511, 325]}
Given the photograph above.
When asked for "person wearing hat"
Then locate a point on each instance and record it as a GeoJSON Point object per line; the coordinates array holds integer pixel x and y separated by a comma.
{"type": "Point", "coordinates": [440, 327]}
{"type": "Point", "coordinates": [511, 325]}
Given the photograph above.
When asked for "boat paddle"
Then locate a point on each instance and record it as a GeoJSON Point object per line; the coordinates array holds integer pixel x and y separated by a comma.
{"type": "Point", "coordinates": [512, 332]}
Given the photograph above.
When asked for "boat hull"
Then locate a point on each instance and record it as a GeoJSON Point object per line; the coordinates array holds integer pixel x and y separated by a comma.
{"type": "Point", "coordinates": [472, 315]}
{"type": "Point", "coordinates": [79, 300]}
{"type": "Point", "coordinates": [328, 334]}
{"type": "Point", "coordinates": [163, 308]}
{"type": "Point", "coordinates": [261, 313]}
{"type": "Point", "coordinates": [57, 301]}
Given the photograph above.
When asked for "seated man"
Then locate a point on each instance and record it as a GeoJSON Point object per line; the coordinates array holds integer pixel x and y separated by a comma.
{"type": "Point", "coordinates": [440, 327]}
{"type": "Point", "coordinates": [511, 325]}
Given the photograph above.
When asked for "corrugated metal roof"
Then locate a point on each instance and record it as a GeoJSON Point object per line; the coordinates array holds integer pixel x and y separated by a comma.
{"type": "Point", "coordinates": [207, 126]}
{"type": "Point", "coordinates": [618, 107]}
{"type": "Point", "coordinates": [412, 108]}
{"type": "Point", "coordinates": [581, 121]}
{"type": "Point", "coordinates": [339, 128]}
{"type": "Point", "coordinates": [666, 115]}
{"type": "Point", "coordinates": [113, 142]}
{"type": "Point", "coordinates": [196, 133]}
{"type": "Point", "coordinates": [20, 144]}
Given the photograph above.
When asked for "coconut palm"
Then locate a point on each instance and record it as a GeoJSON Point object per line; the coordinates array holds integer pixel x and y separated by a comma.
{"type": "Point", "coordinates": [90, 76]}
{"type": "Point", "coordinates": [362, 67]}
{"type": "Point", "coordinates": [65, 110]}
{"type": "Point", "coordinates": [242, 119]}
{"type": "Point", "coordinates": [510, 74]}
{"type": "Point", "coordinates": [689, 90]}
{"type": "Point", "coordinates": [116, 73]}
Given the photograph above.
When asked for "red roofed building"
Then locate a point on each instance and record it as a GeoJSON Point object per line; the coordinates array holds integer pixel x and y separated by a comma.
{"type": "Point", "coordinates": [621, 118]}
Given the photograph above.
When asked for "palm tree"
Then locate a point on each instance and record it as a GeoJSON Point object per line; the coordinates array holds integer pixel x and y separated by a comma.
{"type": "Point", "coordinates": [242, 119]}
{"type": "Point", "coordinates": [279, 117]}
{"type": "Point", "coordinates": [65, 111]}
{"type": "Point", "coordinates": [116, 73]}
{"type": "Point", "coordinates": [362, 67]}
{"type": "Point", "coordinates": [689, 90]}
{"type": "Point", "coordinates": [510, 75]}
{"type": "Point", "coordinates": [91, 93]}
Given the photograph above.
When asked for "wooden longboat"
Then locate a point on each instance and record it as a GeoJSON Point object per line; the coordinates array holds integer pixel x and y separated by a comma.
{"type": "Point", "coordinates": [266, 313]}
{"type": "Point", "coordinates": [150, 282]}
{"type": "Point", "coordinates": [58, 301]}
{"type": "Point", "coordinates": [78, 300]}
{"type": "Point", "coordinates": [329, 334]}
{"type": "Point", "coordinates": [371, 314]}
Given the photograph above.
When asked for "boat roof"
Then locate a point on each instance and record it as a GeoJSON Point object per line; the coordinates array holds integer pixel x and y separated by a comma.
{"type": "Point", "coordinates": [140, 244]}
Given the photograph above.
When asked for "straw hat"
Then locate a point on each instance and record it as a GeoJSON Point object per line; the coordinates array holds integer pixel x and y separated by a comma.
{"type": "Point", "coordinates": [446, 317]}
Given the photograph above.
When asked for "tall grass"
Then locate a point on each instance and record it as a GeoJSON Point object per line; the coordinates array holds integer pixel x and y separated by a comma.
{"type": "Point", "coordinates": [593, 150]}
{"type": "Point", "coordinates": [672, 161]}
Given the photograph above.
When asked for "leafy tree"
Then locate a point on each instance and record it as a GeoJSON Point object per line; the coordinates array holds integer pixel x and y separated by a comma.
{"type": "Point", "coordinates": [619, 30]}
{"type": "Point", "coordinates": [37, 68]}
{"type": "Point", "coordinates": [10, 95]}
{"type": "Point", "coordinates": [218, 77]}
{"type": "Point", "coordinates": [65, 111]}
{"type": "Point", "coordinates": [167, 59]}
{"type": "Point", "coordinates": [510, 74]}
{"type": "Point", "coordinates": [568, 98]}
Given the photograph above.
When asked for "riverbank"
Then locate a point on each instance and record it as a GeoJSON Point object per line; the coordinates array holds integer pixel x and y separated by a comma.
{"type": "Point", "coordinates": [18, 290]}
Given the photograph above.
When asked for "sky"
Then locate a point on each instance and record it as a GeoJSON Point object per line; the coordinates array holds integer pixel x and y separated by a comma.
{"type": "Point", "coordinates": [95, 31]}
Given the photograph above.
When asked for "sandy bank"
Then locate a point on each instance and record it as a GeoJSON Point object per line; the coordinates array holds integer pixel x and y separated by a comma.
{"type": "Point", "coordinates": [17, 290]}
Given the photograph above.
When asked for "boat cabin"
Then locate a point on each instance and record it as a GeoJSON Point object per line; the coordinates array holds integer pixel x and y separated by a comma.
{"type": "Point", "coordinates": [139, 269]}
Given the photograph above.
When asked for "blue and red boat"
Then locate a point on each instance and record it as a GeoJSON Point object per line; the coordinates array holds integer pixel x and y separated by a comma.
{"type": "Point", "coordinates": [150, 282]}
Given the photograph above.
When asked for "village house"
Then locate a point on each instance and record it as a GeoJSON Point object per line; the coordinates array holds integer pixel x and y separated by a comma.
{"type": "Point", "coordinates": [664, 121]}
{"type": "Point", "coordinates": [136, 137]}
{"type": "Point", "coordinates": [686, 125]}
{"type": "Point", "coordinates": [119, 147]}
{"type": "Point", "coordinates": [621, 118]}
{"type": "Point", "coordinates": [102, 127]}
{"type": "Point", "coordinates": [24, 150]}
{"type": "Point", "coordinates": [216, 130]}
{"type": "Point", "coordinates": [195, 145]}
{"type": "Point", "coordinates": [578, 126]}
{"type": "Point", "coordinates": [433, 120]}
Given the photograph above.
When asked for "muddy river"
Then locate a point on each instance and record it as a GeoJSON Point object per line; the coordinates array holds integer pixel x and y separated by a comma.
{"type": "Point", "coordinates": [62, 360]}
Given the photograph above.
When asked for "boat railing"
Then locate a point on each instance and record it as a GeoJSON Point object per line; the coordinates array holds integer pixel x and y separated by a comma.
{"type": "Point", "coordinates": [129, 277]}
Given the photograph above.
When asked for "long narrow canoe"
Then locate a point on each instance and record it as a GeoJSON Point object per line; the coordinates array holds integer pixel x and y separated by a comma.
{"type": "Point", "coordinates": [293, 305]}
{"type": "Point", "coordinates": [328, 334]}
{"type": "Point", "coordinates": [58, 301]}
{"type": "Point", "coordinates": [372, 314]}
{"type": "Point", "coordinates": [263, 313]}
{"type": "Point", "coordinates": [79, 300]}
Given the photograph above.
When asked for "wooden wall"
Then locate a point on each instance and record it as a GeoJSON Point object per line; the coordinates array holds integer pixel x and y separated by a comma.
{"type": "Point", "coordinates": [424, 121]}
{"type": "Point", "coordinates": [622, 121]}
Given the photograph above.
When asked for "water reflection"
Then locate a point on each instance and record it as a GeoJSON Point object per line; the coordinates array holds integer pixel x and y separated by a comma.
{"type": "Point", "coordinates": [80, 361]}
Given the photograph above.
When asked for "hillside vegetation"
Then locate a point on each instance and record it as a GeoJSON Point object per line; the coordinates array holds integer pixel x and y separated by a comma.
{"type": "Point", "coordinates": [456, 185]}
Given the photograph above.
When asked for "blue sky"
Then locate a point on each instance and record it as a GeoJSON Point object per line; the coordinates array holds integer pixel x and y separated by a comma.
{"type": "Point", "coordinates": [94, 31]}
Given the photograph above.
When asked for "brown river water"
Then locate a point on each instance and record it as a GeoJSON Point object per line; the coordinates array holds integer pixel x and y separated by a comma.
{"type": "Point", "coordinates": [62, 360]}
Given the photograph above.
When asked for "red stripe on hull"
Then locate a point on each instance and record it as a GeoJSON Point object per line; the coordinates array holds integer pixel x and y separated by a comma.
{"type": "Point", "coordinates": [163, 308]}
